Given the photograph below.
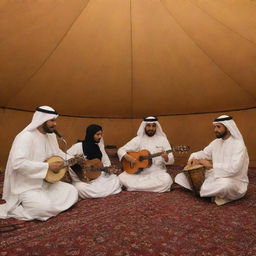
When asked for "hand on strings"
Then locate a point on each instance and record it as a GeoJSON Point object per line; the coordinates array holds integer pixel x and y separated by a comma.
{"type": "Point", "coordinates": [113, 170]}
{"type": "Point", "coordinates": [81, 160]}
{"type": "Point", "coordinates": [56, 166]}
{"type": "Point", "coordinates": [165, 156]}
{"type": "Point", "coordinates": [130, 159]}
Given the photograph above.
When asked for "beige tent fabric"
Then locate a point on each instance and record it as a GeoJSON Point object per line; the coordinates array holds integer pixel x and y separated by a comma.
{"type": "Point", "coordinates": [30, 31]}
{"type": "Point", "coordinates": [231, 51]}
{"type": "Point", "coordinates": [193, 130]}
{"type": "Point", "coordinates": [236, 15]}
{"type": "Point", "coordinates": [118, 61]}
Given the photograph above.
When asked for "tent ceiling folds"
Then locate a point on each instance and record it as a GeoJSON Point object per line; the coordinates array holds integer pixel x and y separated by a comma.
{"type": "Point", "coordinates": [128, 59]}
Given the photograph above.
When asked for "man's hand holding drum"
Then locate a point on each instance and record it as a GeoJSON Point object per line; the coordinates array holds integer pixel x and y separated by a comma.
{"type": "Point", "coordinates": [192, 162]}
{"type": "Point", "coordinates": [207, 164]}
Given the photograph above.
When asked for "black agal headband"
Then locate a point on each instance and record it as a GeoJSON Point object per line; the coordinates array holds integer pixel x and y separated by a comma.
{"type": "Point", "coordinates": [47, 111]}
{"type": "Point", "coordinates": [223, 119]}
{"type": "Point", "coordinates": [151, 119]}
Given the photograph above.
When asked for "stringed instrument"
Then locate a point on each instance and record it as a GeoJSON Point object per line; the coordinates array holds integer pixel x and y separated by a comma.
{"type": "Point", "coordinates": [53, 177]}
{"type": "Point", "coordinates": [144, 159]}
{"type": "Point", "coordinates": [90, 170]}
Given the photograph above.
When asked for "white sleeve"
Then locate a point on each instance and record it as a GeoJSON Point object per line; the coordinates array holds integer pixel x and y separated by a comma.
{"type": "Point", "coordinates": [131, 146]}
{"type": "Point", "coordinates": [206, 153]}
{"type": "Point", "coordinates": [166, 147]}
{"type": "Point", "coordinates": [105, 159]}
{"type": "Point", "coordinates": [234, 166]}
{"type": "Point", "coordinates": [20, 155]}
{"type": "Point", "coordinates": [75, 149]}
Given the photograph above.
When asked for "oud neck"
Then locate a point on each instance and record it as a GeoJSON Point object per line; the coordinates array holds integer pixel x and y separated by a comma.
{"type": "Point", "coordinates": [158, 154]}
{"type": "Point", "coordinates": [95, 168]}
{"type": "Point", "coordinates": [104, 169]}
{"type": "Point", "coordinates": [70, 161]}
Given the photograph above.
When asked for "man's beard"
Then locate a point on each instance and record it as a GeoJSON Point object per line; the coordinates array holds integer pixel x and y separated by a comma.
{"type": "Point", "coordinates": [221, 135]}
{"type": "Point", "coordinates": [150, 133]}
{"type": "Point", "coordinates": [48, 129]}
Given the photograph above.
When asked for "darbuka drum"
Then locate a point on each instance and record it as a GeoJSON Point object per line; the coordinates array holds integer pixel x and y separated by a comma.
{"type": "Point", "coordinates": [196, 176]}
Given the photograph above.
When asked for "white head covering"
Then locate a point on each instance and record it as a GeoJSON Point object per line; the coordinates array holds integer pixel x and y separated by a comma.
{"type": "Point", "coordinates": [150, 119]}
{"type": "Point", "coordinates": [42, 114]}
{"type": "Point", "coordinates": [228, 122]}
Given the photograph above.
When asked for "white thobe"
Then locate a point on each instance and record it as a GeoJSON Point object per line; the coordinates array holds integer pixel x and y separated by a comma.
{"type": "Point", "coordinates": [106, 184]}
{"type": "Point", "coordinates": [26, 193]}
{"type": "Point", "coordinates": [228, 178]}
{"type": "Point", "coordinates": [155, 178]}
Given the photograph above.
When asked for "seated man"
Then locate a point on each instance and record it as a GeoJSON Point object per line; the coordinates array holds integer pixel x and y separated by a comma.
{"type": "Point", "coordinates": [226, 161]}
{"type": "Point", "coordinates": [154, 178]}
{"type": "Point", "coordinates": [92, 147]}
{"type": "Point", "coordinates": [26, 193]}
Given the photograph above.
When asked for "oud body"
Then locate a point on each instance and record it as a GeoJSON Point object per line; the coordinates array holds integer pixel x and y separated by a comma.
{"type": "Point", "coordinates": [90, 170]}
{"type": "Point", "coordinates": [144, 158]}
{"type": "Point", "coordinates": [51, 176]}
{"type": "Point", "coordinates": [141, 163]}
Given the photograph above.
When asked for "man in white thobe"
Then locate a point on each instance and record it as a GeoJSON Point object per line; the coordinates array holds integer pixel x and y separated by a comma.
{"type": "Point", "coordinates": [155, 178]}
{"type": "Point", "coordinates": [28, 196]}
{"type": "Point", "coordinates": [92, 147]}
{"type": "Point", "coordinates": [226, 161]}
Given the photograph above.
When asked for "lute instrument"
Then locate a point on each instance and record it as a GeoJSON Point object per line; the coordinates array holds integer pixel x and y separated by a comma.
{"type": "Point", "coordinates": [144, 158]}
{"type": "Point", "coordinates": [53, 177]}
{"type": "Point", "coordinates": [90, 170]}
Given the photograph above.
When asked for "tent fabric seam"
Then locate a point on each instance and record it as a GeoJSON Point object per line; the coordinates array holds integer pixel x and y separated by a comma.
{"type": "Point", "coordinates": [204, 52]}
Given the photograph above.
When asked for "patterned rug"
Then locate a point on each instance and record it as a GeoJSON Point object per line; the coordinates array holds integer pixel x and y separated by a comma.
{"type": "Point", "coordinates": [140, 223]}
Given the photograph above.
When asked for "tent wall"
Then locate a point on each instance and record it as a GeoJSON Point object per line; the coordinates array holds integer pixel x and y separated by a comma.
{"type": "Point", "coordinates": [193, 130]}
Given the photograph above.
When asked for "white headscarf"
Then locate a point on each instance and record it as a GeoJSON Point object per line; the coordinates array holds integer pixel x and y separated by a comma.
{"type": "Point", "coordinates": [228, 122]}
{"type": "Point", "coordinates": [42, 114]}
{"type": "Point", "coordinates": [150, 119]}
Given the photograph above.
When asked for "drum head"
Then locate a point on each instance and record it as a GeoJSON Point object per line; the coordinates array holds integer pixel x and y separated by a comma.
{"type": "Point", "coordinates": [193, 167]}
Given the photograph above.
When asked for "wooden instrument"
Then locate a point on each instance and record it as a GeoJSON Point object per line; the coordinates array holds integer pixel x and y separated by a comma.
{"type": "Point", "coordinates": [196, 176]}
{"type": "Point", "coordinates": [53, 177]}
{"type": "Point", "coordinates": [144, 159]}
{"type": "Point", "coordinates": [90, 170]}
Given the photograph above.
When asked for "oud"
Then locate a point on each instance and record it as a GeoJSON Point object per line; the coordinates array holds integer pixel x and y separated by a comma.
{"type": "Point", "coordinates": [53, 177]}
{"type": "Point", "coordinates": [144, 158]}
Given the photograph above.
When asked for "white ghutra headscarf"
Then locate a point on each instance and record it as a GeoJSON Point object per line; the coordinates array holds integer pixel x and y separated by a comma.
{"type": "Point", "coordinates": [150, 119]}
{"type": "Point", "coordinates": [228, 122]}
{"type": "Point", "coordinates": [42, 114]}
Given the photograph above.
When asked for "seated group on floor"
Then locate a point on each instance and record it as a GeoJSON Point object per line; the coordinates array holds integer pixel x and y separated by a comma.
{"type": "Point", "coordinates": [33, 188]}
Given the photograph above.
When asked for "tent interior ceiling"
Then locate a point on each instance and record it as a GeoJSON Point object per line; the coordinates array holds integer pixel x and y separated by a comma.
{"type": "Point", "coordinates": [128, 58]}
{"type": "Point", "coordinates": [123, 60]}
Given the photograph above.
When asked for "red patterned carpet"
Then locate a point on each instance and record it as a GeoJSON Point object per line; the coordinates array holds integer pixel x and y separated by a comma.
{"type": "Point", "coordinates": [137, 223]}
